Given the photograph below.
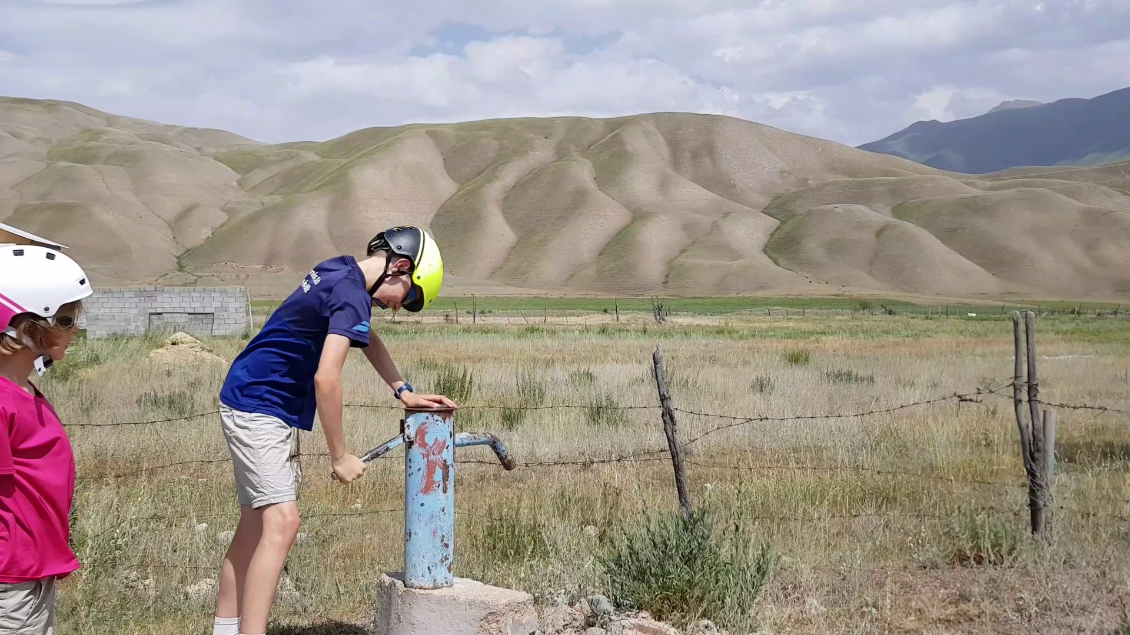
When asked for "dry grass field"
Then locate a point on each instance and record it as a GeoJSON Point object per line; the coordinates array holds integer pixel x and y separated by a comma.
{"type": "Point", "coordinates": [910, 521]}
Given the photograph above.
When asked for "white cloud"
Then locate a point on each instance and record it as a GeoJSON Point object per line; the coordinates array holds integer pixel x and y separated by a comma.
{"type": "Point", "coordinates": [850, 70]}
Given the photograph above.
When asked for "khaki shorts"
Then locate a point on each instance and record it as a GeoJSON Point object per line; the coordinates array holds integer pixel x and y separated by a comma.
{"type": "Point", "coordinates": [264, 452]}
{"type": "Point", "coordinates": [28, 608]}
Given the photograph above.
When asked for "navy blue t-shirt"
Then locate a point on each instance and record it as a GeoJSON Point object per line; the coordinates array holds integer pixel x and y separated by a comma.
{"type": "Point", "coordinates": [274, 375]}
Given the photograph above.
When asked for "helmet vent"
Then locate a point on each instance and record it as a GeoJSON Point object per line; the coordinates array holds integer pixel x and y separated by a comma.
{"type": "Point", "coordinates": [50, 256]}
{"type": "Point", "coordinates": [82, 282]}
{"type": "Point", "coordinates": [18, 252]}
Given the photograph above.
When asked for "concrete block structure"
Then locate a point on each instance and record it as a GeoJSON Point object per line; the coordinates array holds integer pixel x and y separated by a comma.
{"type": "Point", "coordinates": [198, 311]}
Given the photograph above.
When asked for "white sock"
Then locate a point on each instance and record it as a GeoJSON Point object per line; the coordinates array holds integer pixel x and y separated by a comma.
{"type": "Point", "coordinates": [226, 626]}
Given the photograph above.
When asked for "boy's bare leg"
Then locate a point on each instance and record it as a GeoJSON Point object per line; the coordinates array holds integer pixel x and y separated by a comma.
{"type": "Point", "coordinates": [280, 523]}
{"type": "Point", "coordinates": [233, 572]}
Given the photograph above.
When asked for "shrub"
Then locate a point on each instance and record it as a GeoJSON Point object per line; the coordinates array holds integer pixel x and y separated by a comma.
{"type": "Point", "coordinates": [583, 377]}
{"type": "Point", "coordinates": [848, 377]}
{"type": "Point", "coordinates": [177, 403]}
{"type": "Point", "coordinates": [680, 568]}
{"type": "Point", "coordinates": [458, 383]}
{"type": "Point", "coordinates": [509, 537]}
{"type": "Point", "coordinates": [763, 385]}
{"type": "Point", "coordinates": [529, 393]}
{"type": "Point", "coordinates": [78, 358]}
{"type": "Point", "coordinates": [1123, 627]}
{"type": "Point", "coordinates": [607, 412]}
{"type": "Point", "coordinates": [798, 357]}
{"type": "Point", "coordinates": [976, 539]}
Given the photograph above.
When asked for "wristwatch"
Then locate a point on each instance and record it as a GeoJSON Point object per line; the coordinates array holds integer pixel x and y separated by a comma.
{"type": "Point", "coordinates": [405, 387]}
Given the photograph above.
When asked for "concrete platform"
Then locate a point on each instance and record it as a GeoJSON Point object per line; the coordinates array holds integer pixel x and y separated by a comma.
{"type": "Point", "coordinates": [467, 608]}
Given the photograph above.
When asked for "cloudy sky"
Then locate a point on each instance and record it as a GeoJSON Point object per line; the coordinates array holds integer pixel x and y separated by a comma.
{"type": "Point", "coordinates": [282, 70]}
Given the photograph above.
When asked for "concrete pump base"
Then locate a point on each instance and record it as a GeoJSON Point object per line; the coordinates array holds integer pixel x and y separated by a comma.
{"type": "Point", "coordinates": [467, 608]}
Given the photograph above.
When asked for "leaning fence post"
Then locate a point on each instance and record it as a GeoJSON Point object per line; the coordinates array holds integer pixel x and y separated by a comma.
{"type": "Point", "coordinates": [1018, 392]}
{"type": "Point", "coordinates": [1050, 421]}
{"type": "Point", "coordinates": [1039, 505]}
{"type": "Point", "coordinates": [669, 428]}
{"type": "Point", "coordinates": [1037, 433]}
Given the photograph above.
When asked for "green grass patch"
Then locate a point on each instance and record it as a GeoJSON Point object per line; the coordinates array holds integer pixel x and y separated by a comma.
{"type": "Point", "coordinates": [798, 357]}
{"type": "Point", "coordinates": [976, 539]}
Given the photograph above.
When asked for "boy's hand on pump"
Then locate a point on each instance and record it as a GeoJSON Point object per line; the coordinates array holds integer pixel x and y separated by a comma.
{"type": "Point", "coordinates": [348, 468]}
{"type": "Point", "coordinates": [412, 400]}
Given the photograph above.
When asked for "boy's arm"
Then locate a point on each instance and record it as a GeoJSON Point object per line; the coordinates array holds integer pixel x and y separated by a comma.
{"type": "Point", "coordinates": [382, 362]}
{"type": "Point", "coordinates": [327, 390]}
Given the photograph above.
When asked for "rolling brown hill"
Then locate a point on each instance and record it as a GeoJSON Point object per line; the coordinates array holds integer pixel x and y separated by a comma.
{"type": "Point", "coordinates": [675, 204]}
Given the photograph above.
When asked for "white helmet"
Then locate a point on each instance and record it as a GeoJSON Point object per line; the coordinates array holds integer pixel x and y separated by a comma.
{"type": "Point", "coordinates": [37, 280]}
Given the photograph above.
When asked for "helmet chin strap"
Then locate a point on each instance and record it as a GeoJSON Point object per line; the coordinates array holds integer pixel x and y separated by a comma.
{"type": "Point", "coordinates": [42, 362]}
{"type": "Point", "coordinates": [385, 275]}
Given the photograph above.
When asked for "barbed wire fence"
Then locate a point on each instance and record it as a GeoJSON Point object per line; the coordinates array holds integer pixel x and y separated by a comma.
{"type": "Point", "coordinates": [724, 422]}
{"type": "Point", "coordinates": [695, 451]}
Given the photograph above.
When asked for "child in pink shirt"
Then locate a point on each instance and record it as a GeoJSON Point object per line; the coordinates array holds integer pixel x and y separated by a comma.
{"type": "Point", "coordinates": [40, 299]}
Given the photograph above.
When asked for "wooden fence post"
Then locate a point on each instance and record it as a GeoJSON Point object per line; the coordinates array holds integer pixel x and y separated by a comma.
{"type": "Point", "coordinates": [456, 303]}
{"type": "Point", "coordinates": [1037, 433]}
{"type": "Point", "coordinates": [1050, 421]}
{"type": "Point", "coordinates": [669, 428]}
{"type": "Point", "coordinates": [617, 309]}
{"type": "Point", "coordinates": [474, 310]}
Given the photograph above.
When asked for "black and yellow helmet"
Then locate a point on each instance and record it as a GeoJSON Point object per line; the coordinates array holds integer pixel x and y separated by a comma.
{"type": "Point", "coordinates": [418, 246]}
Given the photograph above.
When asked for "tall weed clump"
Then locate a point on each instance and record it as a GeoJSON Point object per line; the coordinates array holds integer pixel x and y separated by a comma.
{"type": "Point", "coordinates": [529, 392]}
{"type": "Point", "coordinates": [681, 568]}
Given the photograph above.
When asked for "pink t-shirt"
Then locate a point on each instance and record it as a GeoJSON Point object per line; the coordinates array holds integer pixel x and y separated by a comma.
{"type": "Point", "coordinates": [37, 486]}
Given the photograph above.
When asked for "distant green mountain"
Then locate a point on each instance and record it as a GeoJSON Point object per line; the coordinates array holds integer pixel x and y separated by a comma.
{"type": "Point", "coordinates": [1066, 132]}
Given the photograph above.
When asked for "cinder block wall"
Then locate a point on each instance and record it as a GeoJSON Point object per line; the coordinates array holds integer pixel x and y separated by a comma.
{"type": "Point", "coordinates": [137, 310]}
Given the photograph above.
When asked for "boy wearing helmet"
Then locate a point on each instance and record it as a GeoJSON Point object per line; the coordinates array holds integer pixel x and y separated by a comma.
{"type": "Point", "coordinates": [291, 369]}
{"type": "Point", "coordinates": [41, 293]}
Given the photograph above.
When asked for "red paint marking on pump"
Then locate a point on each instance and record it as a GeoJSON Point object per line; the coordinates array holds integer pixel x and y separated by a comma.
{"type": "Point", "coordinates": [433, 456]}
